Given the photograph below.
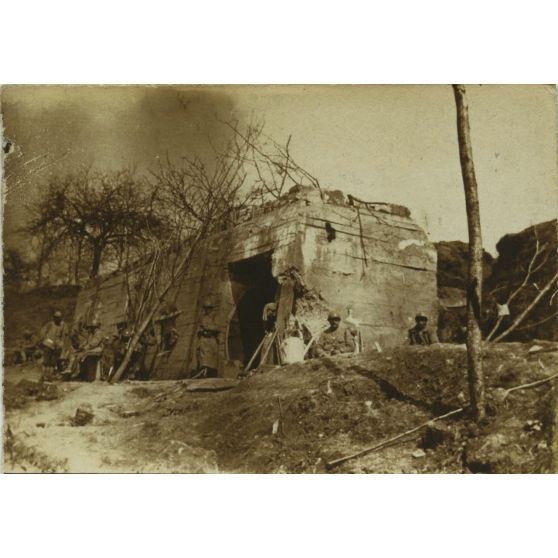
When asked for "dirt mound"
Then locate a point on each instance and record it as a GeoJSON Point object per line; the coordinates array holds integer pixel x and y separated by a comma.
{"type": "Point", "coordinates": [20, 395]}
{"type": "Point", "coordinates": [297, 418]}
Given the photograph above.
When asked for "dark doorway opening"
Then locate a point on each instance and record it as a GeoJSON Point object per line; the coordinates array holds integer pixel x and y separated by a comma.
{"type": "Point", "coordinates": [253, 286]}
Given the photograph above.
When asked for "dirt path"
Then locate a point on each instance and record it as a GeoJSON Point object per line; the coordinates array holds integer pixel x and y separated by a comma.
{"type": "Point", "coordinates": [46, 438]}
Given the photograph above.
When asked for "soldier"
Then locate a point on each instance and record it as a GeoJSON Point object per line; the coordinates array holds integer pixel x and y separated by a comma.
{"type": "Point", "coordinates": [26, 347]}
{"type": "Point", "coordinates": [334, 340]}
{"type": "Point", "coordinates": [84, 362]}
{"type": "Point", "coordinates": [54, 337]}
{"type": "Point", "coordinates": [91, 352]}
{"type": "Point", "coordinates": [119, 346]}
{"type": "Point", "coordinates": [140, 367]}
{"type": "Point", "coordinates": [421, 334]}
{"type": "Point", "coordinates": [208, 342]}
{"type": "Point", "coordinates": [268, 353]}
{"type": "Point", "coordinates": [29, 344]}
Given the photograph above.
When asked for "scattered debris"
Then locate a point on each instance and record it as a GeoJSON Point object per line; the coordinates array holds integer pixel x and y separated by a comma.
{"type": "Point", "coordinates": [536, 349]}
{"type": "Point", "coordinates": [419, 453]}
{"type": "Point", "coordinates": [48, 392]}
{"type": "Point", "coordinates": [128, 414]}
{"type": "Point", "coordinates": [84, 415]}
{"type": "Point", "coordinates": [533, 426]}
{"type": "Point", "coordinates": [212, 384]}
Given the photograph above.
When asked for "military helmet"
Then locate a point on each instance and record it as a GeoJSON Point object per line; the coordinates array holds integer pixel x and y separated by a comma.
{"type": "Point", "coordinates": [333, 316]}
{"type": "Point", "coordinates": [421, 317]}
{"type": "Point", "coordinates": [95, 323]}
{"type": "Point", "coordinates": [57, 314]}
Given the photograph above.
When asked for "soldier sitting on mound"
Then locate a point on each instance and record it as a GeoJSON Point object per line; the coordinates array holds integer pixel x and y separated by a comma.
{"type": "Point", "coordinates": [334, 340]}
{"type": "Point", "coordinates": [421, 334]}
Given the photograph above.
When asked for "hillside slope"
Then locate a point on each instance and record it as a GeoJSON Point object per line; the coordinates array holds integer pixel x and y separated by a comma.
{"type": "Point", "coordinates": [297, 418]}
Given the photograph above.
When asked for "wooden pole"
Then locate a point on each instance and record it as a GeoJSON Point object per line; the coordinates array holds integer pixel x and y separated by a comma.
{"type": "Point", "coordinates": [474, 287]}
{"type": "Point", "coordinates": [335, 462]}
{"type": "Point", "coordinates": [251, 361]}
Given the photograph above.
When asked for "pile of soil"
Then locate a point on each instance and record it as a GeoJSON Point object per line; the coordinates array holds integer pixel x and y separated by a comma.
{"type": "Point", "coordinates": [330, 407]}
{"type": "Point", "coordinates": [297, 418]}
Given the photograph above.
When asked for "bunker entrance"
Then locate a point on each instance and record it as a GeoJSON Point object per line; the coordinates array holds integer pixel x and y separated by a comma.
{"type": "Point", "coordinates": [253, 286]}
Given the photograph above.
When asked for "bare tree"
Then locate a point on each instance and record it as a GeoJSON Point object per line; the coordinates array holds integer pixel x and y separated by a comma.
{"type": "Point", "coordinates": [98, 211]}
{"type": "Point", "coordinates": [536, 263]}
{"type": "Point", "coordinates": [154, 292]}
{"type": "Point", "coordinates": [528, 309]}
{"type": "Point", "coordinates": [16, 268]}
{"type": "Point", "coordinates": [275, 168]}
{"type": "Point", "coordinates": [199, 197]}
{"type": "Point", "coordinates": [474, 289]}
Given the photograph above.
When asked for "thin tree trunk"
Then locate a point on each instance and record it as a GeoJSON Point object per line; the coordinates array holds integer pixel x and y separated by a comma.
{"type": "Point", "coordinates": [77, 262]}
{"type": "Point", "coordinates": [474, 289]}
{"type": "Point", "coordinates": [96, 263]}
{"type": "Point", "coordinates": [153, 310]}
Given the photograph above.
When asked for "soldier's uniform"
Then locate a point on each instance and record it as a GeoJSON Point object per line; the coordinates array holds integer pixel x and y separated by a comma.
{"type": "Point", "coordinates": [334, 340]}
{"type": "Point", "coordinates": [86, 359]}
{"type": "Point", "coordinates": [54, 338]}
{"type": "Point", "coordinates": [422, 335]}
{"type": "Point", "coordinates": [208, 346]}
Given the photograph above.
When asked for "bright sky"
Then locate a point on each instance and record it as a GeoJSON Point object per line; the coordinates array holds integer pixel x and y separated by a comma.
{"type": "Point", "coordinates": [381, 143]}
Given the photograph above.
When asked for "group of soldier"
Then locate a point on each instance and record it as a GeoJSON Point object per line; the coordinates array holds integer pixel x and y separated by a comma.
{"type": "Point", "coordinates": [83, 352]}
{"type": "Point", "coordinates": [77, 353]}
{"type": "Point", "coordinates": [336, 339]}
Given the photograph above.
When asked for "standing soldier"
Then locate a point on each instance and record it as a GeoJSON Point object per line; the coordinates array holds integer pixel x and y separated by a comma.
{"type": "Point", "coordinates": [208, 342]}
{"type": "Point", "coordinates": [54, 338]}
{"type": "Point", "coordinates": [421, 334]}
{"type": "Point", "coordinates": [268, 353]}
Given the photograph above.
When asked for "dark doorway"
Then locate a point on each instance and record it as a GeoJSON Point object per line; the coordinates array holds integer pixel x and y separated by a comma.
{"type": "Point", "coordinates": [253, 286]}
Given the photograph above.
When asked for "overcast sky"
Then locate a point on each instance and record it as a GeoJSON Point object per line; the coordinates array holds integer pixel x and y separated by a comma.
{"type": "Point", "coordinates": [381, 143]}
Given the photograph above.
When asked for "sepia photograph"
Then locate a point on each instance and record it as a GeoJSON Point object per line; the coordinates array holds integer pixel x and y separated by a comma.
{"type": "Point", "coordinates": [307, 279]}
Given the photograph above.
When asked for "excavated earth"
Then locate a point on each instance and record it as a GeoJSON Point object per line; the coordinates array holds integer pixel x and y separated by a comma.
{"type": "Point", "coordinates": [294, 419]}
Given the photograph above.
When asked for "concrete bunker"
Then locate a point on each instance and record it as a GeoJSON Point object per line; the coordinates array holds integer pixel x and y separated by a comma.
{"type": "Point", "coordinates": [307, 253]}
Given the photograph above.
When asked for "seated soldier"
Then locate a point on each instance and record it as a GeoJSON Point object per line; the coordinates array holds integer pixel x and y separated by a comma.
{"type": "Point", "coordinates": [334, 340]}
{"type": "Point", "coordinates": [26, 348]}
{"type": "Point", "coordinates": [421, 334]}
{"type": "Point", "coordinates": [85, 361]}
{"type": "Point", "coordinates": [54, 337]}
{"type": "Point", "coordinates": [29, 344]}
